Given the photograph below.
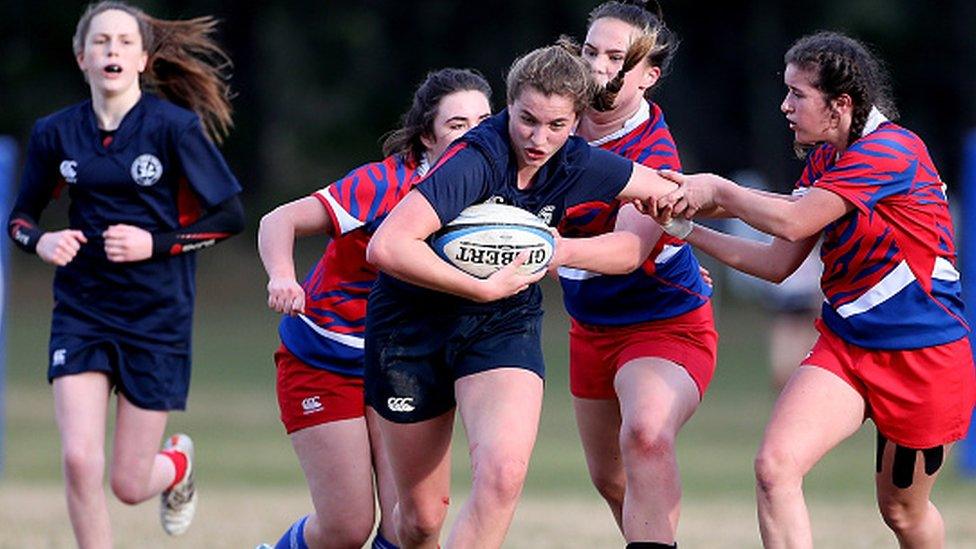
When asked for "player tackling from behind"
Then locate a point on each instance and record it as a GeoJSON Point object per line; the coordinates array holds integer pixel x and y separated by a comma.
{"type": "Point", "coordinates": [893, 342]}
{"type": "Point", "coordinates": [320, 361]}
{"type": "Point", "coordinates": [642, 344]}
{"type": "Point", "coordinates": [147, 188]}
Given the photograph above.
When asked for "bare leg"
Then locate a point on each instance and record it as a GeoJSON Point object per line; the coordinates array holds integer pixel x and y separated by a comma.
{"type": "Point", "coordinates": [139, 471]}
{"type": "Point", "coordinates": [656, 397]}
{"type": "Point", "coordinates": [385, 484]}
{"type": "Point", "coordinates": [336, 461]}
{"type": "Point", "coordinates": [420, 458]}
{"type": "Point", "coordinates": [81, 408]}
{"type": "Point", "coordinates": [598, 422]}
{"type": "Point", "coordinates": [909, 512]}
{"type": "Point", "coordinates": [814, 413]}
{"type": "Point", "coordinates": [500, 409]}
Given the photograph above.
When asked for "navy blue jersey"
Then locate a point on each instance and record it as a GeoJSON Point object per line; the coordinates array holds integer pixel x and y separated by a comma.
{"type": "Point", "coordinates": [159, 173]}
{"type": "Point", "coordinates": [481, 167]}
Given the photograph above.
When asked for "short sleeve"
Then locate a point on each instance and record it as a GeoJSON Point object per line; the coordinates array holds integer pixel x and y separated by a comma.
{"type": "Point", "coordinates": [205, 167]}
{"type": "Point", "coordinates": [364, 195]}
{"type": "Point", "coordinates": [460, 178]}
{"type": "Point", "coordinates": [603, 179]}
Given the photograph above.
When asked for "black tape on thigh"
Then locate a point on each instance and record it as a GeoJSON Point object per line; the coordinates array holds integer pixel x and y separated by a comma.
{"type": "Point", "coordinates": [903, 466]}
{"type": "Point", "coordinates": [933, 459]}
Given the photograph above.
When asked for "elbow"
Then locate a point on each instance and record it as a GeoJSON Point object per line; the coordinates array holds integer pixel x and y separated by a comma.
{"type": "Point", "coordinates": [794, 230]}
{"type": "Point", "coordinates": [377, 251]}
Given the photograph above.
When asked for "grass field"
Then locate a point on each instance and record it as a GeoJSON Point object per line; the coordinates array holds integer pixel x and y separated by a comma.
{"type": "Point", "coordinates": [251, 486]}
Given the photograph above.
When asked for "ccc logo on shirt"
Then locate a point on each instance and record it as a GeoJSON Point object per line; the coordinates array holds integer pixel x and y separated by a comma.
{"type": "Point", "coordinates": [146, 170]}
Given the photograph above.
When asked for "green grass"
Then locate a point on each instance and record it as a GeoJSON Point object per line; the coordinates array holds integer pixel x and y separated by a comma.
{"type": "Point", "coordinates": [242, 448]}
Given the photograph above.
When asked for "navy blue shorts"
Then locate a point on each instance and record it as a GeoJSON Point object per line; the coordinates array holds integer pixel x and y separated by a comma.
{"type": "Point", "coordinates": [414, 357]}
{"type": "Point", "coordinates": [149, 378]}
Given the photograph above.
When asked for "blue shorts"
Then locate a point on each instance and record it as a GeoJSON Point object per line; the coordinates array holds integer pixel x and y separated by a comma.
{"type": "Point", "coordinates": [413, 357]}
{"type": "Point", "coordinates": [150, 379]}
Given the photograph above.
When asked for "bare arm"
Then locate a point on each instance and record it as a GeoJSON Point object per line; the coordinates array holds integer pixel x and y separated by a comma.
{"type": "Point", "coordinates": [777, 215]}
{"type": "Point", "coordinates": [399, 248]}
{"type": "Point", "coordinates": [773, 261]}
{"type": "Point", "coordinates": [276, 243]}
{"type": "Point", "coordinates": [618, 252]}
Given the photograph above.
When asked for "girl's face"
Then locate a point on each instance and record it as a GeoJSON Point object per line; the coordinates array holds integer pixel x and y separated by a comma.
{"type": "Point", "coordinates": [457, 113]}
{"type": "Point", "coordinates": [113, 55]}
{"type": "Point", "coordinates": [539, 125]}
{"type": "Point", "coordinates": [604, 51]}
{"type": "Point", "coordinates": [811, 117]}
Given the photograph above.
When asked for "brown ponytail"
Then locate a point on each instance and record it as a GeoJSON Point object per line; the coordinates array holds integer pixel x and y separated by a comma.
{"type": "Point", "coordinates": [186, 65]}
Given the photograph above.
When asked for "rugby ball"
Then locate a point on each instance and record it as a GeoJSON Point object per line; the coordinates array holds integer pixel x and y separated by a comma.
{"type": "Point", "coordinates": [486, 237]}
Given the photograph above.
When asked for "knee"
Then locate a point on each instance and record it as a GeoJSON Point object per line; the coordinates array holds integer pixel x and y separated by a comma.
{"type": "Point", "coordinates": [776, 469]}
{"type": "Point", "coordinates": [645, 442]}
{"type": "Point", "coordinates": [902, 515]}
{"type": "Point", "coordinates": [127, 489]}
{"type": "Point", "coordinates": [351, 534]}
{"type": "Point", "coordinates": [418, 523]}
{"type": "Point", "coordinates": [499, 477]}
{"type": "Point", "coordinates": [611, 487]}
{"type": "Point", "coordinates": [83, 467]}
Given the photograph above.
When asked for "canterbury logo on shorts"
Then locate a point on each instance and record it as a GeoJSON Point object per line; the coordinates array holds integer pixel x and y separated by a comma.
{"type": "Point", "coordinates": [400, 404]}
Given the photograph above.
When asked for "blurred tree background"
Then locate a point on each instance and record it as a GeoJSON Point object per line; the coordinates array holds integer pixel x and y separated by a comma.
{"type": "Point", "coordinates": [318, 83]}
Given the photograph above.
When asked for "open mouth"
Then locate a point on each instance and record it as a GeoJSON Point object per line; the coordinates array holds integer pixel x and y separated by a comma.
{"type": "Point", "coordinates": [113, 69]}
{"type": "Point", "coordinates": [534, 154]}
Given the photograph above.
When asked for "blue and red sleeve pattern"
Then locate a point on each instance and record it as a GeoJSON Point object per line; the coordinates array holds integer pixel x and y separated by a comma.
{"type": "Point", "coordinates": [364, 196]}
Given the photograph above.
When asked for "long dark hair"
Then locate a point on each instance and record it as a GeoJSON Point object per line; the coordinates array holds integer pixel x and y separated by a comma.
{"type": "Point", "coordinates": [656, 43]}
{"type": "Point", "coordinates": [419, 119]}
{"type": "Point", "coordinates": [841, 65]}
{"type": "Point", "coordinates": [186, 65]}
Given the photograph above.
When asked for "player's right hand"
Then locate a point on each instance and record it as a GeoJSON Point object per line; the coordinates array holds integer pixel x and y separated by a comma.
{"type": "Point", "coordinates": [508, 281]}
{"type": "Point", "coordinates": [286, 296]}
{"type": "Point", "coordinates": [60, 247]}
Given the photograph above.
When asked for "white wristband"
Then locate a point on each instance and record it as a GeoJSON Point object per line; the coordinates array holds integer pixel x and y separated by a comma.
{"type": "Point", "coordinates": [679, 227]}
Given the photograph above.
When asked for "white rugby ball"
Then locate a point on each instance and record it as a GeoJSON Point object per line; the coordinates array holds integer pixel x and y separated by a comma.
{"type": "Point", "coordinates": [486, 237]}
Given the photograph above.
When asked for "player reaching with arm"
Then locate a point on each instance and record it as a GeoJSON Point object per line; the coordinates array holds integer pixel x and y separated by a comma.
{"type": "Point", "coordinates": [320, 360]}
{"type": "Point", "coordinates": [893, 342]}
{"type": "Point", "coordinates": [439, 339]}
{"type": "Point", "coordinates": [642, 344]}
{"type": "Point", "coordinates": [147, 187]}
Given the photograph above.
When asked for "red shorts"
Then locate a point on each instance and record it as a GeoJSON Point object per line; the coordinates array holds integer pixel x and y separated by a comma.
{"type": "Point", "coordinates": [312, 396]}
{"type": "Point", "coordinates": [597, 352]}
{"type": "Point", "coordinates": [918, 398]}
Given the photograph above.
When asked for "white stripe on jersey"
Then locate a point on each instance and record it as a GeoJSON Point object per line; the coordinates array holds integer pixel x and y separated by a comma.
{"type": "Point", "coordinates": [944, 270]}
{"type": "Point", "coordinates": [570, 273]}
{"type": "Point", "coordinates": [667, 253]}
{"type": "Point", "coordinates": [346, 221]}
{"type": "Point", "coordinates": [345, 339]}
{"type": "Point", "coordinates": [642, 115]}
{"type": "Point", "coordinates": [891, 284]}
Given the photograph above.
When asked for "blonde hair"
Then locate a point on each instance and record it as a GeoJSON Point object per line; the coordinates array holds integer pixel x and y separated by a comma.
{"type": "Point", "coordinates": [655, 42]}
{"type": "Point", "coordinates": [552, 70]}
{"type": "Point", "coordinates": [186, 65]}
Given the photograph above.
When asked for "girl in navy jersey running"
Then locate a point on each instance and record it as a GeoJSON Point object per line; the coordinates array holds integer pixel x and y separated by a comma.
{"type": "Point", "coordinates": [643, 343]}
{"type": "Point", "coordinates": [438, 338]}
{"type": "Point", "coordinates": [893, 343]}
{"type": "Point", "coordinates": [320, 361]}
{"type": "Point", "coordinates": [147, 188]}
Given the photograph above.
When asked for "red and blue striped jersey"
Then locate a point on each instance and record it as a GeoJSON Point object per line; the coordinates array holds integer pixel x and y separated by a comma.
{"type": "Point", "coordinates": [329, 335]}
{"type": "Point", "coordinates": [890, 276]}
{"type": "Point", "coordinates": [669, 283]}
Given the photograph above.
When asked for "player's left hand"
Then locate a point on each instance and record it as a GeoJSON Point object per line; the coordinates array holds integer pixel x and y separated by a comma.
{"type": "Point", "coordinates": [694, 193]}
{"type": "Point", "coordinates": [127, 243]}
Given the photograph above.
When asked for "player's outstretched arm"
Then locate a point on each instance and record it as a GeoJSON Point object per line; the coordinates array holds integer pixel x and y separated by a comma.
{"type": "Point", "coordinates": [773, 261]}
{"type": "Point", "coordinates": [399, 248]}
{"type": "Point", "coordinates": [276, 243]}
{"type": "Point", "coordinates": [617, 252]}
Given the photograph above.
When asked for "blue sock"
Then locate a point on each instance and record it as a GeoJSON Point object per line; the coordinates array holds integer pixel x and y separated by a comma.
{"type": "Point", "coordinates": [379, 542]}
{"type": "Point", "coordinates": [294, 537]}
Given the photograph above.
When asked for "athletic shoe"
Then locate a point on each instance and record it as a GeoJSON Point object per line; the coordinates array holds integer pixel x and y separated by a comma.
{"type": "Point", "coordinates": [177, 505]}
